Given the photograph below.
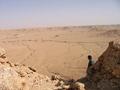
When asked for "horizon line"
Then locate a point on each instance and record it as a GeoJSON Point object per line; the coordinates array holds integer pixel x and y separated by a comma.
{"type": "Point", "coordinates": [57, 26]}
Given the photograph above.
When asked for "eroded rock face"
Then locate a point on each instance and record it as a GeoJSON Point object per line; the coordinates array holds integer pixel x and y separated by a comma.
{"type": "Point", "coordinates": [107, 68]}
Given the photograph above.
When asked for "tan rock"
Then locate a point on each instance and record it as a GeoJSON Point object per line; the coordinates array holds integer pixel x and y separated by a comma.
{"type": "Point", "coordinates": [79, 86]}
{"type": "Point", "coordinates": [107, 68]}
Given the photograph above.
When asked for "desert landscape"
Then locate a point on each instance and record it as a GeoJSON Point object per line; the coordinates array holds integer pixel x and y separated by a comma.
{"type": "Point", "coordinates": [59, 45]}
{"type": "Point", "coordinates": [55, 58]}
{"type": "Point", "coordinates": [58, 50]}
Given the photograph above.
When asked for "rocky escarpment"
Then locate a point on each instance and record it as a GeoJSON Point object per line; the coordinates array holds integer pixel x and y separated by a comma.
{"type": "Point", "coordinates": [106, 75]}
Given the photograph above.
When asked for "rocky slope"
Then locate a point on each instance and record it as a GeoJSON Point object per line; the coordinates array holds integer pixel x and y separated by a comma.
{"type": "Point", "coordinates": [106, 74]}
{"type": "Point", "coordinates": [21, 77]}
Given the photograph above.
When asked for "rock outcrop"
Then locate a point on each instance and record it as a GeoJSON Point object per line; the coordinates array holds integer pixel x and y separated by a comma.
{"type": "Point", "coordinates": [106, 74]}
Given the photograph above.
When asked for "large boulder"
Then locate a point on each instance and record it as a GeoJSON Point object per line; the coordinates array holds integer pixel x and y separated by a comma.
{"type": "Point", "coordinates": [107, 69]}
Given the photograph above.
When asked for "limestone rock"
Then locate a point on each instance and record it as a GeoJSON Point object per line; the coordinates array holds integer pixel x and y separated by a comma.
{"type": "Point", "coordinates": [9, 79]}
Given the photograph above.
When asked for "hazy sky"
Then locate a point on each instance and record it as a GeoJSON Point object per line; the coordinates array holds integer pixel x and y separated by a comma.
{"type": "Point", "coordinates": [36, 13]}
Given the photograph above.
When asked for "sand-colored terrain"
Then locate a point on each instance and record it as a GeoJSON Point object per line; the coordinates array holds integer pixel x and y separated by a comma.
{"type": "Point", "coordinates": [61, 50]}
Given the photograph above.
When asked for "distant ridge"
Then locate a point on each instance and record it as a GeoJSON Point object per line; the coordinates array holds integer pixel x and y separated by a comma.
{"type": "Point", "coordinates": [66, 27]}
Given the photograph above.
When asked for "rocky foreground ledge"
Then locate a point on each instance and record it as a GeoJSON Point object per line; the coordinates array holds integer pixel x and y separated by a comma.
{"type": "Point", "coordinates": [21, 77]}
{"type": "Point", "coordinates": [106, 75]}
